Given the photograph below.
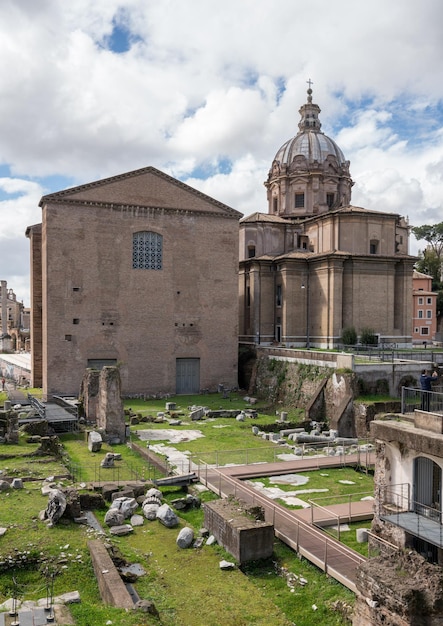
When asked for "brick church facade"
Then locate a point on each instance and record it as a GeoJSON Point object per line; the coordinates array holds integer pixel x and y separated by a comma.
{"type": "Point", "coordinates": [138, 270]}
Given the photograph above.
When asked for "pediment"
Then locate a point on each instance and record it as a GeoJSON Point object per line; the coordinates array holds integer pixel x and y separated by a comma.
{"type": "Point", "coordinates": [147, 188]}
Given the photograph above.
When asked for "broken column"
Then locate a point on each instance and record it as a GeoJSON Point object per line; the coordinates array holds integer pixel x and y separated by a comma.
{"type": "Point", "coordinates": [110, 412]}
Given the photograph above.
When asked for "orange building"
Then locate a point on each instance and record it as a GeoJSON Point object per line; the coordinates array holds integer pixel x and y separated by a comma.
{"type": "Point", "coordinates": [424, 311]}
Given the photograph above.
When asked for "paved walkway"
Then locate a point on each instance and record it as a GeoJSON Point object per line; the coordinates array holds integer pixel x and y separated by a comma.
{"type": "Point", "coordinates": [16, 396]}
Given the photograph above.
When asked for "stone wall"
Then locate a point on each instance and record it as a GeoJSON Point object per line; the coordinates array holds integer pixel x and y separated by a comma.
{"type": "Point", "coordinates": [401, 589]}
{"type": "Point", "coordinates": [242, 535]}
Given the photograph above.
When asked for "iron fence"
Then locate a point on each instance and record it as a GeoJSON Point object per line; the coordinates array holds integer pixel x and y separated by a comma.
{"type": "Point", "coordinates": [413, 398]}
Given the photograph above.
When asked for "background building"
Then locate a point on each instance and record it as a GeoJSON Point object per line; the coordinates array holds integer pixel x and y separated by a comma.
{"type": "Point", "coordinates": [14, 321]}
{"type": "Point", "coordinates": [424, 309]}
{"type": "Point", "coordinates": [138, 270]}
{"type": "Point", "coordinates": [315, 265]}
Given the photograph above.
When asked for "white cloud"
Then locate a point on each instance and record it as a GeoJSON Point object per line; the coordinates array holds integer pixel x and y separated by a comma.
{"type": "Point", "coordinates": [216, 87]}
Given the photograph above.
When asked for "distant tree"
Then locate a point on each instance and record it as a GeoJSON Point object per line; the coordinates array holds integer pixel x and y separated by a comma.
{"type": "Point", "coordinates": [433, 255]}
{"type": "Point", "coordinates": [431, 258]}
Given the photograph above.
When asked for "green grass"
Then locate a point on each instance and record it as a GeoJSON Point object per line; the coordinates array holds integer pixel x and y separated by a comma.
{"type": "Point", "coordinates": [85, 465]}
{"type": "Point", "coordinates": [329, 479]}
{"type": "Point", "coordinates": [20, 460]}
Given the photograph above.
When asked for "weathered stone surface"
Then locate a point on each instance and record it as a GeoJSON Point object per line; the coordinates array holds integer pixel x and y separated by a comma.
{"type": "Point", "coordinates": [114, 517]}
{"type": "Point", "coordinates": [167, 516]}
{"type": "Point", "coordinates": [399, 588]}
{"type": "Point", "coordinates": [110, 411]}
{"type": "Point", "coordinates": [4, 485]}
{"type": "Point", "coordinates": [108, 490]}
{"type": "Point", "coordinates": [147, 607]}
{"type": "Point", "coordinates": [95, 441]}
{"type": "Point", "coordinates": [17, 483]}
{"type": "Point", "coordinates": [150, 510]}
{"type": "Point", "coordinates": [89, 393]}
{"type": "Point", "coordinates": [56, 506]}
{"type": "Point", "coordinates": [120, 531]}
{"type": "Point", "coordinates": [183, 504]}
{"type": "Point", "coordinates": [226, 565]}
{"type": "Point", "coordinates": [136, 520]}
{"type": "Point", "coordinates": [73, 507]}
{"type": "Point", "coordinates": [126, 506]}
{"type": "Point", "coordinates": [108, 461]}
{"type": "Point", "coordinates": [156, 493]}
{"type": "Point", "coordinates": [185, 537]}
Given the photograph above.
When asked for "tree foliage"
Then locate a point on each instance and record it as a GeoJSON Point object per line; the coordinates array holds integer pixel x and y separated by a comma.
{"type": "Point", "coordinates": [433, 235]}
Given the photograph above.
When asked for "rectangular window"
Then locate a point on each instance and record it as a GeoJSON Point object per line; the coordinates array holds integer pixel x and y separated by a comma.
{"type": "Point", "coordinates": [248, 296]}
{"type": "Point", "coordinates": [420, 314]}
{"type": "Point", "coordinates": [278, 295]}
{"type": "Point", "coordinates": [429, 314]}
{"type": "Point", "coordinates": [420, 301]}
{"type": "Point", "coordinates": [299, 200]}
{"type": "Point", "coordinates": [428, 300]}
{"type": "Point", "coordinates": [424, 330]}
{"type": "Point", "coordinates": [330, 200]}
{"type": "Point", "coordinates": [373, 247]}
{"type": "Point", "coordinates": [76, 320]}
{"type": "Point", "coordinates": [251, 252]}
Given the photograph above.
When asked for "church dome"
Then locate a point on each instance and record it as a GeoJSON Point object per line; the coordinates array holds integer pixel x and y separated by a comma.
{"type": "Point", "coordinates": [309, 173]}
{"type": "Point", "coordinates": [313, 145]}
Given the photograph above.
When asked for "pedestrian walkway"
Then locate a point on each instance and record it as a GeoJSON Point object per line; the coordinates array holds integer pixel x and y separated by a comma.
{"type": "Point", "coordinates": [16, 396]}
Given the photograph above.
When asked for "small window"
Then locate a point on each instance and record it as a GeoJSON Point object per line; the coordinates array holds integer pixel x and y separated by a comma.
{"type": "Point", "coordinates": [68, 337]}
{"type": "Point", "coordinates": [420, 314]}
{"type": "Point", "coordinates": [248, 296]}
{"type": "Point", "coordinates": [76, 320]}
{"type": "Point", "coordinates": [147, 251]}
{"type": "Point", "coordinates": [330, 200]}
{"type": "Point", "coordinates": [424, 330]}
{"type": "Point", "coordinates": [429, 314]}
{"type": "Point", "coordinates": [373, 246]}
{"type": "Point", "coordinates": [428, 300]}
{"type": "Point", "coordinates": [299, 200]}
{"type": "Point", "coordinates": [278, 295]}
{"type": "Point", "coordinates": [420, 301]}
{"type": "Point", "coordinates": [251, 252]}
{"type": "Point", "coordinates": [275, 204]}
{"type": "Point", "coordinates": [76, 289]}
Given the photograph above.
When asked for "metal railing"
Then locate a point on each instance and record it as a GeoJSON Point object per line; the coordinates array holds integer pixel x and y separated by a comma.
{"type": "Point", "coordinates": [365, 451]}
{"type": "Point", "coordinates": [121, 472]}
{"type": "Point", "coordinates": [413, 398]}
{"type": "Point", "coordinates": [322, 515]}
{"type": "Point", "coordinates": [389, 353]}
{"type": "Point", "coordinates": [396, 502]}
{"type": "Point", "coordinates": [37, 405]}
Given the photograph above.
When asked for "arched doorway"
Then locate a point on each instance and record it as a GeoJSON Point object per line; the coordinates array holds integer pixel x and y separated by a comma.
{"type": "Point", "coordinates": [427, 484]}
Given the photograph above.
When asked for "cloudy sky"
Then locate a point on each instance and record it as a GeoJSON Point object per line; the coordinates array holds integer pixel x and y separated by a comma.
{"type": "Point", "coordinates": [208, 91]}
